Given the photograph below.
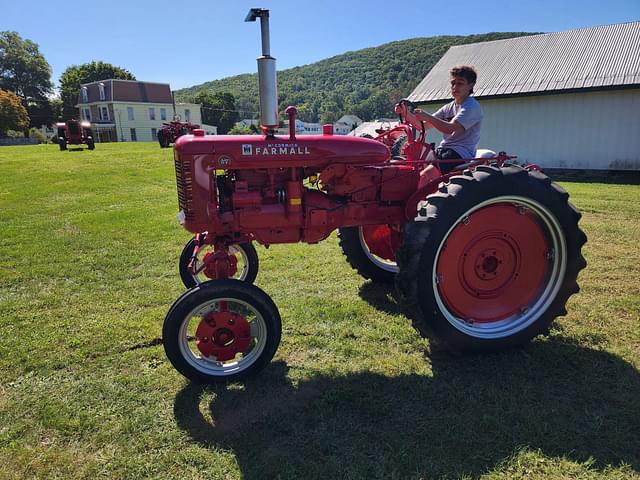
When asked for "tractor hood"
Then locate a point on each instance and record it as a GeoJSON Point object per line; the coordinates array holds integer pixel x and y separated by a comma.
{"type": "Point", "coordinates": [257, 151]}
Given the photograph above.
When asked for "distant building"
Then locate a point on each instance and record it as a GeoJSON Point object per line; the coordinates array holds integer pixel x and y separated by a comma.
{"type": "Point", "coordinates": [302, 128]}
{"type": "Point", "coordinates": [345, 124]}
{"type": "Point", "coordinates": [369, 128]}
{"type": "Point", "coordinates": [132, 111]}
{"type": "Point", "coordinates": [248, 122]}
{"type": "Point", "coordinates": [342, 127]}
{"type": "Point", "coordinates": [561, 100]}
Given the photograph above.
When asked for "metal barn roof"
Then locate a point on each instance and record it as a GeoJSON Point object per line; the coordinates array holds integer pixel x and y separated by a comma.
{"type": "Point", "coordinates": [586, 58]}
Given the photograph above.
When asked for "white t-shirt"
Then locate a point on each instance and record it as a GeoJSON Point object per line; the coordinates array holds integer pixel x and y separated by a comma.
{"type": "Point", "coordinates": [469, 115]}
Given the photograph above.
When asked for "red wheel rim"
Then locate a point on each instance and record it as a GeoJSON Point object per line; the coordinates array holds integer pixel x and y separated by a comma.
{"type": "Point", "coordinates": [381, 241]}
{"type": "Point", "coordinates": [223, 335]}
{"type": "Point", "coordinates": [495, 263]}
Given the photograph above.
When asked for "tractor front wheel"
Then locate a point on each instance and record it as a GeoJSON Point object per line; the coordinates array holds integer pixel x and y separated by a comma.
{"type": "Point", "coordinates": [370, 250]}
{"type": "Point", "coordinates": [62, 144]}
{"type": "Point", "coordinates": [491, 258]}
{"type": "Point", "coordinates": [246, 263]}
{"type": "Point", "coordinates": [163, 139]}
{"type": "Point", "coordinates": [221, 331]}
{"type": "Point", "coordinates": [90, 144]}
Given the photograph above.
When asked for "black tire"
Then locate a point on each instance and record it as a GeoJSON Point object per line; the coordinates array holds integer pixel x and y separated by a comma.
{"type": "Point", "coordinates": [90, 144]}
{"type": "Point", "coordinates": [163, 139]}
{"type": "Point", "coordinates": [464, 293]}
{"type": "Point", "coordinates": [62, 144]}
{"type": "Point", "coordinates": [262, 331]}
{"type": "Point", "coordinates": [362, 259]}
{"type": "Point", "coordinates": [248, 263]}
{"type": "Point", "coordinates": [396, 148]}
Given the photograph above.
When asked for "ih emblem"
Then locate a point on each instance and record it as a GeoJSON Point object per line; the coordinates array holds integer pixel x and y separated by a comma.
{"type": "Point", "coordinates": [247, 149]}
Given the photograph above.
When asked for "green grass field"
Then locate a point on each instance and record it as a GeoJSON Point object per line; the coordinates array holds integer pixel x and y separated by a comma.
{"type": "Point", "coordinates": [88, 269]}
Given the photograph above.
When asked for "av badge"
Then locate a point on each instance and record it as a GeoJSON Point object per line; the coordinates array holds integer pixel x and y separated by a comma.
{"type": "Point", "coordinates": [224, 161]}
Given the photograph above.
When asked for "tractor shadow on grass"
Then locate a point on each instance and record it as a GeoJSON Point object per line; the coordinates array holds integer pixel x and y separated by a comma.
{"type": "Point", "coordinates": [380, 296]}
{"type": "Point", "coordinates": [472, 415]}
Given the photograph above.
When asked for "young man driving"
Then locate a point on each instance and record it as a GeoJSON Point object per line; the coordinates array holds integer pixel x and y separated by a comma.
{"type": "Point", "coordinates": [459, 121]}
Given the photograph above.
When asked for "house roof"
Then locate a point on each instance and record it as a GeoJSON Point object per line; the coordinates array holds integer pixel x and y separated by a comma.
{"type": "Point", "coordinates": [127, 91]}
{"type": "Point", "coordinates": [587, 58]}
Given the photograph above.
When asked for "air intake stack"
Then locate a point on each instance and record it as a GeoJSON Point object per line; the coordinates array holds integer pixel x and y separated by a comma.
{"type": "Point", "coordinates": [269, 118]}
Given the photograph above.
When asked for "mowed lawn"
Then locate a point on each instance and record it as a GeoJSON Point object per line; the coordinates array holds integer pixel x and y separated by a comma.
{"type": "Point", "coordinates": [89, 246]}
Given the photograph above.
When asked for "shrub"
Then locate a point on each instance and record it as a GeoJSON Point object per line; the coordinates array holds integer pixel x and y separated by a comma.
{"type": "Point", "coordinates": [36, 133]}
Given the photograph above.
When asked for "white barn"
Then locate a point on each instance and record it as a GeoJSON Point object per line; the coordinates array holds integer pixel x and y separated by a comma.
{"type": "Point", "coordinates": [567, 100]}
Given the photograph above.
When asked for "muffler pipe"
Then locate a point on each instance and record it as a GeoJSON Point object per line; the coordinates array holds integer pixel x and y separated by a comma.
{"type": "Point", "coordinates": [267, 84]}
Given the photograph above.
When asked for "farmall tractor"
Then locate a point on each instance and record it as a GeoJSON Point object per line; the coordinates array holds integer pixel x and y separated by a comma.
{"type": "Point", "coordinates": [171, 131]}
{"type": "Point", "coordinates": [75, 132]}
{"type": "Point", "coordinates": [484, 257]}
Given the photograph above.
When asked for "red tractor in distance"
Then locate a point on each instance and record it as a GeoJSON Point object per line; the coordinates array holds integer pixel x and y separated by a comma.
{"type": "Point", "coordinates": [173, 130]}
{"type": "Point", "coordinates": [484, 257]}
{"type": "Point", "coordinates": [75, 132]}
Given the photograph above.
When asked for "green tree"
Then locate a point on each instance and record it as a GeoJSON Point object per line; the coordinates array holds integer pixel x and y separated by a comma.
{"type": "Point", "coordinates": [241, 130]}
{"type": "Point", "coordinates": [13, 115]}
{"type": "Point", "coordinates": [75, 75]}
{"type": "Point", "coordinates": [218, 109]}
{"type": "Point", "coordinates": [24, 71]}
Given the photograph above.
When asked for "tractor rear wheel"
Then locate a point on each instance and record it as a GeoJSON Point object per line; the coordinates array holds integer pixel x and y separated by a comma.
{"type": "Point", "coordinates": [491, 258]}
{"type": "Point", "coordinates": [220, 331]}
{"type": "Point", "coordinates": [370, 250]}
{"type": "Point", "coordinates": [247, 263]}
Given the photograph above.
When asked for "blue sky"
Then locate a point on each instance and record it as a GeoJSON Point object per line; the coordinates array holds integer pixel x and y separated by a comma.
{"type": "Point", "coordinates": [188, 43]}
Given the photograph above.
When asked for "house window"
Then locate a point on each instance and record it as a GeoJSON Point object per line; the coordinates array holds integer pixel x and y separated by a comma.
{"type": "Point", "coordinates": [133, 135]}
{"type": "Point", "coordinates": [152, 113]}
{"type": "Point", "coordinates": [101, 88]}
{"type": "Point", "coordinates": [85, 95]}
{"type": "Point", "coordinates": [154, 134]}
{"type": "Point", "coordinates": [104, 112]}
{"type": "Point", "coordinates": [163, 114]}
{"type": "Point", "coordinates": [87, 114]}
{"type": "Point", "coordinates": [187, 115]}
{"type": "Point", "coordinates": [130, 113]}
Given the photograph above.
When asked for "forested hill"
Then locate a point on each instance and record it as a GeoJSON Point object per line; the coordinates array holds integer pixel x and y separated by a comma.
{"type": "Point", "coordinates": [365, 82]}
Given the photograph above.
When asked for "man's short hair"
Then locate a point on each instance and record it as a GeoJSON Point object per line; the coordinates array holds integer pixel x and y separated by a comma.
{"type": "Point", "coordinates": [464, 71]}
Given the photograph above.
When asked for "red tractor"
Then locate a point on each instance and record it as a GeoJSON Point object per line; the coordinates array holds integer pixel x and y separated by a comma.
{"type": "Point", "coordinates": [75, 132]}
{"type": "Point", "coordinates": [173, 130]}
{"type": "Point", "coordinates": [484, 257]}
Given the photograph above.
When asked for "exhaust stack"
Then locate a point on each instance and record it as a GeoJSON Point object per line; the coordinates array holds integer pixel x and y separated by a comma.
{"type": "Point", "coordinates": [269, 118]}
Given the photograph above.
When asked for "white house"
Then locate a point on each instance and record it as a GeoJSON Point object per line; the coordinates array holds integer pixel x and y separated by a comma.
{"type": "Point", "coordinates": [345, 124]}
{"type": "Point", "coordinates": [132, 111]}
{"type": "Point", "coordinates": [562, 100]}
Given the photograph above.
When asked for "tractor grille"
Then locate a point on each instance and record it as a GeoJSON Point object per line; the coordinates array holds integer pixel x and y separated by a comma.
{"type": "Point", "coordinates": [184, 181]}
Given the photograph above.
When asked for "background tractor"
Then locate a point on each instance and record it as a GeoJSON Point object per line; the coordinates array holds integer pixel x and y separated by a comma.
{"type": "Point", "coordinates": [75, 132]}
{"type": "Point", "coordinates": [171, 131]}
{"type": "Point", "coordinates": [484, 257]}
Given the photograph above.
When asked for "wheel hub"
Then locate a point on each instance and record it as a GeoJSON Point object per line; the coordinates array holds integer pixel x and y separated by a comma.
{"type": "Point", "coordinates": [223, 335]}
{"type": "Point", "coordinates": [219, 265]}
{"type": "Point", "coordinates": [489, 265]}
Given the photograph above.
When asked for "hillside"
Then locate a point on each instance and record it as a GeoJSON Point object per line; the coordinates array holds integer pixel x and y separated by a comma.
{"type": "Point", "coordinates": [365, 82]}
